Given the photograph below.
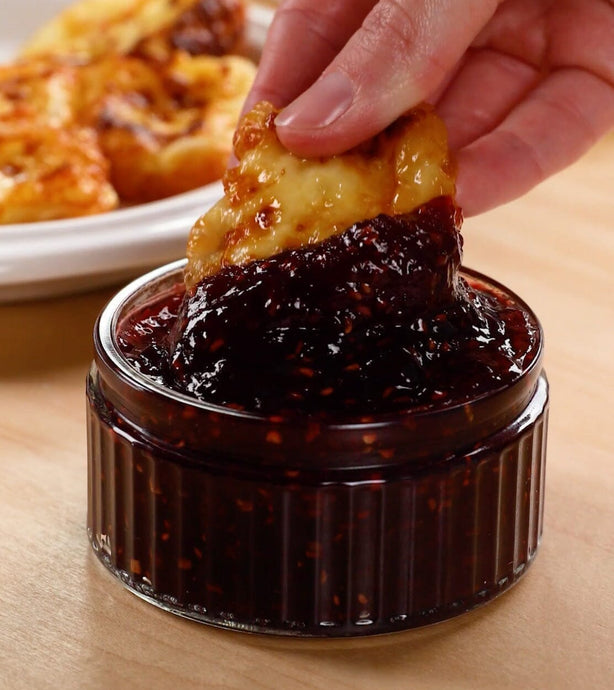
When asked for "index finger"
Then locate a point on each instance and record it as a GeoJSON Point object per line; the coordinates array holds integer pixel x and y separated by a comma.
{"type": "Point", "coordinates": [303, 39]}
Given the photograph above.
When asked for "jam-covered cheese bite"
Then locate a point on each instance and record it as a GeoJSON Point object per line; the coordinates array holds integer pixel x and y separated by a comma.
{"type": "Point", "coordinates": [332, 286]}
{"type": "Point", "coordinates": [276, 201]}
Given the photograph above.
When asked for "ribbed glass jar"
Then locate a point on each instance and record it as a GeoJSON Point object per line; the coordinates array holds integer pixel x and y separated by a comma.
{"type": "Point", "coordinates": [301, 528]}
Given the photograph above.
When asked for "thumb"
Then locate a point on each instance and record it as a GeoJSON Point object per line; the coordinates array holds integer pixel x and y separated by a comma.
{"type": "Point", "coordinates": [402, 53]}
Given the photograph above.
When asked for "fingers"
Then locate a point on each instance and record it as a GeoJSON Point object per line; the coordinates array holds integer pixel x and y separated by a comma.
{"type": "Point", "coordinates": [303, 39]}
{"type": "Point", "coordinates": [557, 122]}
{"type": "Point", "coordinates": [486, 88]}
{"type": "Point", "coordinates": [400, 55]}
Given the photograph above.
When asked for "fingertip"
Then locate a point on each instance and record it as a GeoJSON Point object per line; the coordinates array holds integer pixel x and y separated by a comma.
{"type": "Point", "coordinates": [309, 144]}
{"type": "Point", "coordinates": [314, 111]}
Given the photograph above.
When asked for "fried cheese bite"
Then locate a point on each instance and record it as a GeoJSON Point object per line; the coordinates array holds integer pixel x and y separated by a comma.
{"type": "Point", "coordinates": [50, 166]}
{"type": "Point", "coordinates": [207, 27]}
{"type": "Point", "coordinates": [48, 173]}
{"type": "Point", "coordinates": [276, 201]}
{"type": "Point", "coordinates": [164, 131]}
{"type": "Point", "coordinates": [90, 29]}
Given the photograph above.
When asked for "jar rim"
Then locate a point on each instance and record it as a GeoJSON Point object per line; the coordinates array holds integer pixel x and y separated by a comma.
{"type": "Point", "coordinates": [119, 305]}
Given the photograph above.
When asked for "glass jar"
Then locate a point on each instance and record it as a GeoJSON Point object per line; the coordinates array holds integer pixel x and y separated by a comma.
{"type": "Point", "coordinates": [264, 524]}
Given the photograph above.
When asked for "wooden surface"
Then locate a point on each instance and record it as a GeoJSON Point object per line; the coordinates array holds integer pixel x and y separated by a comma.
{"type": "Point", "coordinates": [66, 623]}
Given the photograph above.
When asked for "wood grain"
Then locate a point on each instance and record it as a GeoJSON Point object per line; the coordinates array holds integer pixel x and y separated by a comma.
{"type": "Point", "coordinates": [65, 623]}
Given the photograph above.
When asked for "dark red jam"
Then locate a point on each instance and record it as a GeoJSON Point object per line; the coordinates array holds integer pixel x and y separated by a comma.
{"type": "Point", "coordinates": [373, 320]}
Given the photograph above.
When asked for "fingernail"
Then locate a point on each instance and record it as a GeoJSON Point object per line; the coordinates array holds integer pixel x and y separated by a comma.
{"type": "Point", "coordinates": [320, 105]}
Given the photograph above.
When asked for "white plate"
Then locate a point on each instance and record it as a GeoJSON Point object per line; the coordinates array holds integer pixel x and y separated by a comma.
{"type": "Point", "coordinates": [64, 256]}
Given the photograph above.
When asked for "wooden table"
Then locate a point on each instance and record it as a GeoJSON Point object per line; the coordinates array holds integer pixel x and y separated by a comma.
{"type": "Point", "coordinates": [66, 623]}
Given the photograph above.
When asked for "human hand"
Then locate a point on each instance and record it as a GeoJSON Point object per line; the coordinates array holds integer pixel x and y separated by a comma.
{"type": "Point", "coordinates": [524, 86]}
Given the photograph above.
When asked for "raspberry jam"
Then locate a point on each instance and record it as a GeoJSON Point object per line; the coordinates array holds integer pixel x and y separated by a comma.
{"type": "Point", "coordinates": [351, 466]}
{"type": "Point", "coordinates": [374, 320]}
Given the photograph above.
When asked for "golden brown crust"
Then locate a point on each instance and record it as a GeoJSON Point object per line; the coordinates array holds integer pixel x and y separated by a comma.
{"type": "Point", "coordinates": [207, 27]}
{"type": "Point", "coordinates": [165, 131]}
{"type": "Point", "coordinates": [48, 173]}
{"type": "Point", "coordinates": [38, 91]}
{"type": "Point", "coordinates": [50, 166]}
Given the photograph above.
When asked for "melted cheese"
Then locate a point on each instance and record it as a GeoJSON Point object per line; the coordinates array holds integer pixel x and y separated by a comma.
{"type": "Point", "coordinates": [275, 200]}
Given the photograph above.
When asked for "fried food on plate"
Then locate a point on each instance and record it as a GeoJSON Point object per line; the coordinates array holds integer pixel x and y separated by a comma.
{"type": "Point", "coordinates": [165, 131]}
{"type": "Point", "coordinates": [143, 86]}
{"type": "Point", "coordinates": [50, 167]}
{"type": "Point", "coordinates": [92, 28]}
{"type": "Point", "coordinates": [275, 200]}
{"type": "Point", "coordinates": [48, 173]}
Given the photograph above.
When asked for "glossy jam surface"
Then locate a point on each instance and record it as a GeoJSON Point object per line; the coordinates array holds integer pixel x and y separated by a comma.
{"type": "Point", "coordinates": [373, 320]}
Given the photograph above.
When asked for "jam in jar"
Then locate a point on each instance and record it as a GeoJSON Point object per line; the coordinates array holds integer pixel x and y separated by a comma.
{"type": "Point", "coordinates": [342, 439]}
